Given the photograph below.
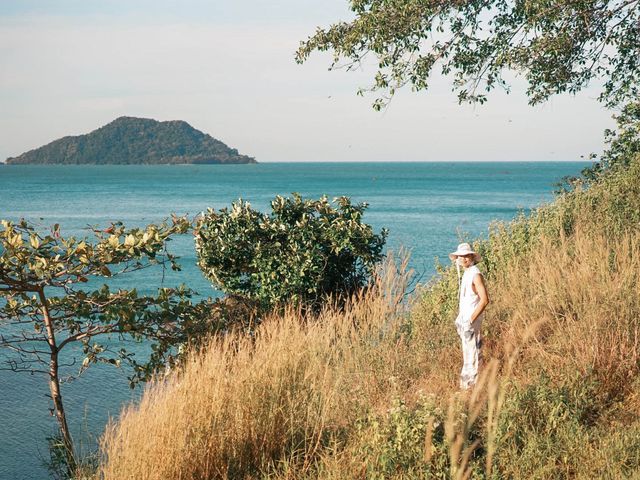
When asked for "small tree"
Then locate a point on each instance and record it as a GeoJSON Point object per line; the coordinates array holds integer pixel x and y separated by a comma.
{"type": "Point", "coordinates": [45, 308]}
{"type": "Point", "coordinates": [300, 253]}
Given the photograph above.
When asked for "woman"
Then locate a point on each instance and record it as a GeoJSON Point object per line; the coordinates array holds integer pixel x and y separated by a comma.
{"type": "Point", "coordinates": [473, 298]}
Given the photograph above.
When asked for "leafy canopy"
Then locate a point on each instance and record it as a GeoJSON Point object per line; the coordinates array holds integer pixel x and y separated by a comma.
{"type": "Point", "coordinates": [559, 45]}
{"type": "Point", "coordinates": [301, 252]}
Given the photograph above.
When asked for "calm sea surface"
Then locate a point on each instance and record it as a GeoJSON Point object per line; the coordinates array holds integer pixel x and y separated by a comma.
{"type": "Point", "coordinates": [426, 206]}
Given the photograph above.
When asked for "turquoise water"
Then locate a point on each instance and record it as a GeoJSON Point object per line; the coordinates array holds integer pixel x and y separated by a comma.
{"type": "Point", "coordinates": [426, 206]}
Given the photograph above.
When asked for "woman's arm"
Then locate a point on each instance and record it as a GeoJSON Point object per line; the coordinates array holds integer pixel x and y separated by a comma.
{"type": "Point", "coordinates": [481, 291]}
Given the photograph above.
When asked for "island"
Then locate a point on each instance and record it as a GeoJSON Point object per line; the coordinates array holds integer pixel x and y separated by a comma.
{"type": "Point", "coordinates": [135, 141]}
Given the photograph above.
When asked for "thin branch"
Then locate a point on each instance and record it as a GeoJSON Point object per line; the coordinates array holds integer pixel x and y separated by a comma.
{"type": "Point", "coordinates": [25, 351]}
{"type": "Point", "coordinates": [23, 338]}
{"type": "Point", "coordinates": [20, 370]}
{"type": "Point", "coordinates": [92, 332]}
{"type": "Point", "coordinates": [71, 364]}
{"type": "Point", "coordinates": [17, 366]}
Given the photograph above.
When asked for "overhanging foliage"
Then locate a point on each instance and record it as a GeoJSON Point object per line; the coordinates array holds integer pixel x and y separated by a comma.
{"type": "Point", "coordinates": [559, 45]}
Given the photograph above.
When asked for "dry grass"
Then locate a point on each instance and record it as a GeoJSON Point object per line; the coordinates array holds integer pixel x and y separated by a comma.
{"type": "Point", "coordinates": [288, 400]}
{"type": "Point", "coordinates": [286, 403]}
{"type": "Point", "coordinates": [369, 391]}
{"type": "Point", "coordinates": [581, 295]}
{"type": "Point", "coordinates": [241, 404]}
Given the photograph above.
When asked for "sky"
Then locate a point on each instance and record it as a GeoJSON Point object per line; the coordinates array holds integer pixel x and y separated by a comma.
{"type": "Point", "coordinates": [227, 67]}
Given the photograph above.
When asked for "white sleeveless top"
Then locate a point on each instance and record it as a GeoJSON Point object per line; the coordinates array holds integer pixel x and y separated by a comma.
{"type": "Point", "coordinates": [468, 299]}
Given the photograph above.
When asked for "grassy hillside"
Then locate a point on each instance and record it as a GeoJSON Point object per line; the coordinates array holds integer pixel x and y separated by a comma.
{"type": "Point", "coordinates": [370, 391]}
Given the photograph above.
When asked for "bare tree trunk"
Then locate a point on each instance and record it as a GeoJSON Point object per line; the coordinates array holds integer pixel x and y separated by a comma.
{"type": "Point", "coordinates": [54, 385]}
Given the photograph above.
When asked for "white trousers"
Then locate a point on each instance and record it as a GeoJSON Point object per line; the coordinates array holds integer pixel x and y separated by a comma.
{"type": "Point", "coordinates": [471, 355]}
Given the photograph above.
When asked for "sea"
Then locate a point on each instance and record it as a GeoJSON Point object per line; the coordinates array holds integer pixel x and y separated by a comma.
{"type": "Point", "coordinates": [428, 209]}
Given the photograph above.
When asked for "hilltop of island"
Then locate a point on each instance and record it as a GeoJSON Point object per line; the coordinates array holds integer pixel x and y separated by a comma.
{"type": "Point", "coordinates": [140, 141]}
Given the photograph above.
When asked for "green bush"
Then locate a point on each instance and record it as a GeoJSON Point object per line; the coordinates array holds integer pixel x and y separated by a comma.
{"type": "Point", "coordinates": [404, 442]}
{"type": "Point", "coordinates": [302, 252]}
{"type": "Point", "coordinates": [555, 431]}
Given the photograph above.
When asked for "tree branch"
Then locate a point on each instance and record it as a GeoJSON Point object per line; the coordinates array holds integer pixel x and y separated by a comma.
{"type": "Point", "coordinates": [91, 332]}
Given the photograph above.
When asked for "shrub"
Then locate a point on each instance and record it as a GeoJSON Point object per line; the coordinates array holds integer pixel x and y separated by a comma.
{"type": "Point", "coordinates": [403, 443]}
{"type": "Point", "coordinates": [302, 252]}
{"type": "Point", "coordinates": [547, 430]}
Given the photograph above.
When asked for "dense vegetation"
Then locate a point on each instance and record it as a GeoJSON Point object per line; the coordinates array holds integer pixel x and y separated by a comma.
{"type": "Point", "coordinates": [129, 140]}
{"type": "Point", "coordinates": [305, 253]}
{"type": "Point", "coordinates": [369, 390]}
{"type": "Point", "coordinates": [301, 253]}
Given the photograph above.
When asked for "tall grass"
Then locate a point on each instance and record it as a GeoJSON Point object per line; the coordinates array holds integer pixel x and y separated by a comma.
{"type": "Point", "coordinates": [370, 390]}
{"type": "Point", "coordinates": [241, 405]}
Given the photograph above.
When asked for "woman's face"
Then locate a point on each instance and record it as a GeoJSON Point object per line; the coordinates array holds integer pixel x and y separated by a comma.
{"type": "Point", "coordinates": [465, 260]}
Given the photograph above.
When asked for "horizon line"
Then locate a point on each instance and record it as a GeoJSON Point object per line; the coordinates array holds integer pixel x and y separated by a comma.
{"type": "Point", "coordinates": [310, 161]}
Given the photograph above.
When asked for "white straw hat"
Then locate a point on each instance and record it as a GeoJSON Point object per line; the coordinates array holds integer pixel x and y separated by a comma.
{"type": "Point", "coordinates": [465, 249]}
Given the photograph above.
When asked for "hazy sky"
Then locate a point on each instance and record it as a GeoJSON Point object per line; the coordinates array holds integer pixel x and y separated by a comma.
{"type": "Point", "coordinates": [227, 67]}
